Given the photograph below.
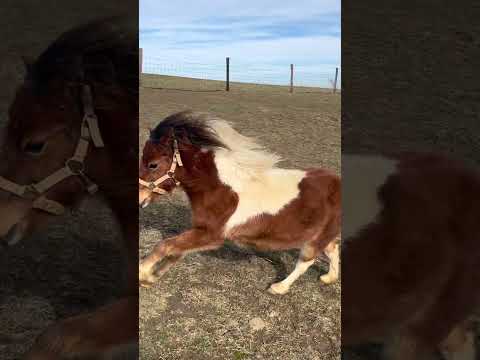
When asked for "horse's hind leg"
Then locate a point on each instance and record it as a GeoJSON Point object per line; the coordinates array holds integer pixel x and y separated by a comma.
{"type": "Point", "coordinates": [333, 253]}
{"type": "Point", "coordinates": [307, 257]}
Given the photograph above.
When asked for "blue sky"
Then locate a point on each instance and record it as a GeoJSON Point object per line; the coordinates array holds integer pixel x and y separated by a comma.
{"type": "Point", "coordinates": [262, 37]}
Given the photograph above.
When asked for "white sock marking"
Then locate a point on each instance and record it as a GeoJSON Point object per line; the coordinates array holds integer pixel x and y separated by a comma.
{"type": "Point", "coordinates": [283, 286]}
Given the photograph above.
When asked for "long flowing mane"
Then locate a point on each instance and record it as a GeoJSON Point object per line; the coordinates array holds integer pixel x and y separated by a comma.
{"type": "Point", "coordinates": [89, 51]}
{"type": "Point", "coordinates": [242, 153]}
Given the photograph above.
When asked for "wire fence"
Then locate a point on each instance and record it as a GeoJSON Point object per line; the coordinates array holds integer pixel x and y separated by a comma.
{"type": "Point", "coordinates": [189, 75]}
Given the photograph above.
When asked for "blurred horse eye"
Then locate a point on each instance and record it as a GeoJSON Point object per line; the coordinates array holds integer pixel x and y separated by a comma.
{"type": "Point", "coordinates": [152, 166]}
{"type": "Point", "coordinates": [34, 148]}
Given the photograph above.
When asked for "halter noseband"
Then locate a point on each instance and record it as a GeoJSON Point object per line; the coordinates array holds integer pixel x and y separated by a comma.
{"type": "Point", "coordinates": [74, 166]}
{"type": "Point", "coordinates": [154, 186]}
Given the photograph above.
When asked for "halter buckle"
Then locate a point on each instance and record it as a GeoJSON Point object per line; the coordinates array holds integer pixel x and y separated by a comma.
{"type": "Point", "coordinates": [75, 166]}
{"type": "Point", "coordinates": [30, 192]}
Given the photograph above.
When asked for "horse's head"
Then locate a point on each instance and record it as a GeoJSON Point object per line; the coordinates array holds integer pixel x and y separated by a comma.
{"type": "Point", "coordinates": [159, 168]}
{"type": "Point", "coordinates": [54, 153]}
{"type": "Point", "coordinates": [46, 143]}
{"type": "Point", "coordinates": [178, 151]}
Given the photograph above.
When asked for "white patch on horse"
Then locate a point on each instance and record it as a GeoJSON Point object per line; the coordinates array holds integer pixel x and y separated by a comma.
{"type": "Point", "coordinates": [362, 176]}
{"type": "Point", "coordinates": [251, 172]}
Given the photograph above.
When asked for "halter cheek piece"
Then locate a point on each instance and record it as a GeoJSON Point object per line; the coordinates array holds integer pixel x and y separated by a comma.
{"type": "Point", "coordinates": [154, 186]}
{"type": "Point", "coordinates": [74, 166]}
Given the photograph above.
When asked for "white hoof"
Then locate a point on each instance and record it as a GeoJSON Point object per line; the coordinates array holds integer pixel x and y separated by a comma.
{"type": "Point", "coordinates": [145, 276]}
{"type": "Point", "coordinates": [278, 289]}
{"type": "Point", "coordinates": [328, 278]}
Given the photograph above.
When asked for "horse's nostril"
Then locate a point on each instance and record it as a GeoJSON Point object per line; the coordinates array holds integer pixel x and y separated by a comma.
{"type": "Point", "coordinates": [34, 147]}
{"type": "Point", "coordinates": [152, 166]}
{"type": "Point", "coordinates": [145, 203]}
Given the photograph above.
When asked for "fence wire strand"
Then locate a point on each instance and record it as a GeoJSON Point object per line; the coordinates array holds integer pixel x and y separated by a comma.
{"type": "Point", "coordinates": [179, 75]}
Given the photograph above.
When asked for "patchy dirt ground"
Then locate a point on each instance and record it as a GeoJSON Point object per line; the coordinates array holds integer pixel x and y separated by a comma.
{"type": "Point", "coordinates": [214, 305]}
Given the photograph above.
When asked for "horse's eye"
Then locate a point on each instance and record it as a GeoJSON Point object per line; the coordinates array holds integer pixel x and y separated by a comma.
{"type": "Point", "coordinates": [152, 166]}
{"type": "Point", "coordinates": [34, 147]}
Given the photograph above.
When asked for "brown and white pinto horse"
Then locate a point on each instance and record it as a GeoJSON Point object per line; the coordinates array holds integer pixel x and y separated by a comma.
{"type": "Point", "coordinates": [411, 254]}
{"type": "Point", "coordinates": [237, 192]}
{"type": "Point", "coordinates": [57, 151]}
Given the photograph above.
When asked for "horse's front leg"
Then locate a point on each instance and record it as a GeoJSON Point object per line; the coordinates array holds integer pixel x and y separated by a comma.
{"type": "Point", "coordinates": [173, 249]}
{"type": "Point", "coordinates": [149, 274]}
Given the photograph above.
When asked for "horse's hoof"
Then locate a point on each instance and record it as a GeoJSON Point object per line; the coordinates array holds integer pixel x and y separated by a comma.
{"type": "Point", "coordinates": [278, 289]}
{"type": "Point", "coordinates": [145, 284]}
{"type": "Point", "coordinates": [327, 279]}
{"type": "Point", "coordinates": [146, 280]}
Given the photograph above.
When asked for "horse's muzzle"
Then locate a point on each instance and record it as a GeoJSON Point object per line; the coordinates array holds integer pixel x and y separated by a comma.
{"type": "Point", "coordinates": [144, 197]}
{"type": "Point", "coordinates": [145, 202]}
{"type": "Point", "coordinates": [14, 221]}
{"type": "Point", "coordinates": [15, 234]}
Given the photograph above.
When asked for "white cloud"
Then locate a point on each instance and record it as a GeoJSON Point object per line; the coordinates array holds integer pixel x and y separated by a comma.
{"type": "Point", "coordinates": [157, 13]}
{"type": "Point", "coordinates": [264, 34]}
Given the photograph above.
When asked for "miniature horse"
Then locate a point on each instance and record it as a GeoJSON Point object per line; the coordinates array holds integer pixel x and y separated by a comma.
{"type": "Point", "coordinates": [73, 129]}
{"type": "Point", "coordinates": [237, 192]}
{"type": "Point", "coordinates": [411, 254]}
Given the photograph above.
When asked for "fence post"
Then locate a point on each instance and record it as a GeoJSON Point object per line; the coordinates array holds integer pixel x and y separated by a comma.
{"type": "Point", "coordinates": [291, 78]}
{"type": "Point", "coordinates": [335, 82]}
{"type": "Point", "coordinates": [228, 75]}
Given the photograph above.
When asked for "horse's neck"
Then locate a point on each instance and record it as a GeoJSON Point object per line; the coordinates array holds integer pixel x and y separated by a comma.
{"type": "Point", "coordinates": [198, 173]}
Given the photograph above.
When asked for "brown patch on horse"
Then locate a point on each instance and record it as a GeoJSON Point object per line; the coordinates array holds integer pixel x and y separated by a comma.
{"type": "Point", "coordinates": [412, 276]}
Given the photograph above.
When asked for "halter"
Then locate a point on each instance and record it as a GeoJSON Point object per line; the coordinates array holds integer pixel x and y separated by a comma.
{"type": "Point", "coordinates": [153, 186]}
{"type": "Point", "coordinates": [74, 166]}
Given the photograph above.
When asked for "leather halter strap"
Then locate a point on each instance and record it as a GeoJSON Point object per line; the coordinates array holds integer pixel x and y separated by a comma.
{"type": "Point", "coordinates": [154, 186]}
{"type": "Point", "coordinates": [74, 166]}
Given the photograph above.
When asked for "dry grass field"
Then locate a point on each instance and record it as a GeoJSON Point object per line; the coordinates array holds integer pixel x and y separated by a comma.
{"type": "Point", "coordinates": [214, 305]}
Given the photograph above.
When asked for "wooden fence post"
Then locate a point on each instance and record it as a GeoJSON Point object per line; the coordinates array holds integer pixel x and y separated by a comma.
{"type": "Point", "coordinates": [228, 75]}
{"type": "Point", "coordinates": [291, 78]}
{"type": "Point", "coordinates": [335, 81]}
